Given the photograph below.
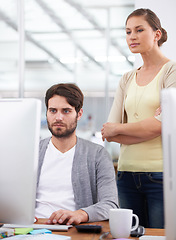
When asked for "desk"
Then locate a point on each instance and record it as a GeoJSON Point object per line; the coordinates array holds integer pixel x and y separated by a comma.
{"type": "Point", "coordinates": [105, 224]}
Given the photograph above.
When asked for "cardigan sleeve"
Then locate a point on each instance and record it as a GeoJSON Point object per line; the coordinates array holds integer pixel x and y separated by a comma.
{"type": "Point", "coordinates": [116, 109]}
{"type": "Point", "coordinates": [106, 188]}
{"type": "Point", "coordinates": [168, 80]}
{"type": "Point", "coordinates": [117, 112]}
{"type": "Point", "coordinates": [93, 180]}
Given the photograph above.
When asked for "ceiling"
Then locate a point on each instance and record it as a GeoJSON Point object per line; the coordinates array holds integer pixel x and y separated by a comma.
{"type": "Point", "coordinates": [80, 41]}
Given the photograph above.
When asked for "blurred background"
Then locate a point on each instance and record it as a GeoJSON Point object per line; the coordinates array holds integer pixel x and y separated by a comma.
{"type": "Point", "coordinates": [44, 42]}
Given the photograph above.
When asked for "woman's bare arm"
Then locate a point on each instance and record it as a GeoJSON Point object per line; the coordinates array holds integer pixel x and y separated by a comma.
{"type": "Point", "coordinates": [132, 132]}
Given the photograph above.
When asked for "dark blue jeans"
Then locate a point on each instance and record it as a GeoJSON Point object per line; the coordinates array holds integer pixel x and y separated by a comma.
{"type": "Point", "coordinates": [143, 192]}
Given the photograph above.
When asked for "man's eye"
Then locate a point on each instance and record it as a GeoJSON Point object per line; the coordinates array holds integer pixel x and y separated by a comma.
{"type": "Point", "coordinates": [140, 30]}
{"type": "Point", "coordinates": [128, 32]}
{"type": "Point", "coordinates": [66, 111]}
{"type": "Point", "coordinates": [52, 110]}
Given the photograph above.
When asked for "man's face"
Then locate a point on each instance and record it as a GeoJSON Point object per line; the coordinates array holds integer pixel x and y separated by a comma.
{"type": "Point", "coordinates": [62, 117]}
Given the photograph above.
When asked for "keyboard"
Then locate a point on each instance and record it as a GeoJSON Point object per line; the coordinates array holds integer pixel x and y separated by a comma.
{"type": "Point", "coordinates": [54, 227]}
{"type": "Point", "coordinates": [41, 237]}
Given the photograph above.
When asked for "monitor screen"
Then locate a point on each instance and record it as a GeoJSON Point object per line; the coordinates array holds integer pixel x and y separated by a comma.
{"type": "Point", "coordinates": [19, 147]}
{"type": "Point", "coordinates": [168, 104]}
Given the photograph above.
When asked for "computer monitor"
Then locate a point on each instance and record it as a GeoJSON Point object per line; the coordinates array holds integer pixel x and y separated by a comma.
{"type": "Point", "coordinates": [168, 103]}
{"type": "Point", "coordinates": [19, 147]}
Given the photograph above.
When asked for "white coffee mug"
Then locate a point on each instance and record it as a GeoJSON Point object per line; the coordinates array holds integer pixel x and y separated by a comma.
{"type": "Point", "coordinates": [120, 222]}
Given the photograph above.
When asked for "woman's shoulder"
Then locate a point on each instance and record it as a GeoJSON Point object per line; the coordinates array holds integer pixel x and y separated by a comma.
{"type": "Point", "coordinates": [129, 73]}
{"type": "Point", "coordinates": [170, 65]}
{"type": "Point", "coordinates": [168, 78]}
{"type": "Point", "coordinates": [127, 77]}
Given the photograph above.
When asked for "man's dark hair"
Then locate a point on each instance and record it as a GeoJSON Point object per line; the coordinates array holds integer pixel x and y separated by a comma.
{"type": "Point", "coordinates": [70, 91]}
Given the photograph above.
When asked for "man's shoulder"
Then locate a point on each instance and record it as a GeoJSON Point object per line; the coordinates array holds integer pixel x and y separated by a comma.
{"type": "Point", "coordinates": [88, 145]}
{"type": "Point", "coordinates": [87, 151]}
{"type": "Point", "coordinates": [88, 142]}
{"type": "Point", "coordinates": [45, 141]}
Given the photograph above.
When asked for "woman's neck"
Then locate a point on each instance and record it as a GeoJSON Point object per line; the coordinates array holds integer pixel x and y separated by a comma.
{"type": "Point", "coordinates": [153, 60]}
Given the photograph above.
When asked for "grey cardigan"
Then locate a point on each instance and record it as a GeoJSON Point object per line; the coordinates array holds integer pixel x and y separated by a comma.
{"type": "Point", "coordinates": [93, 178]}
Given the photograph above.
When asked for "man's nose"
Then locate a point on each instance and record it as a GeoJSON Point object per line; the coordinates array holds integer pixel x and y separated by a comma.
{"type": "Point", "coordinates": [59, 116]}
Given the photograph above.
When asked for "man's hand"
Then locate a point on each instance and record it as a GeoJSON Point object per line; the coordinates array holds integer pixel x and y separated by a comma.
{"type": "Point", "coordinates": [68, 217]}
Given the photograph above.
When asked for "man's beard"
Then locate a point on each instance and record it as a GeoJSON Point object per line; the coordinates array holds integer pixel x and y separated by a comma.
{"type": "Point", "coordinates": [59, 133]}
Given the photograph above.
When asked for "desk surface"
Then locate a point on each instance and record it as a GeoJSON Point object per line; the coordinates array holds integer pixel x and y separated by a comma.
{"type": "Point", "coordinates": [105, 224]}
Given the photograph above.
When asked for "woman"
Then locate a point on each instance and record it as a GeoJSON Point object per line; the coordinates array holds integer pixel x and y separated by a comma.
{"type": "Point", "coordinates": [135, 120]}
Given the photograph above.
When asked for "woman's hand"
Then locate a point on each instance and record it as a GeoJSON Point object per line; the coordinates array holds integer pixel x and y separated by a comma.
{"type": "Point", "coordinates": [158, 111]}
{"type": "Point", "coordinates": [125, 133]}
{"type": "Point", "coordinates": [109, 130]}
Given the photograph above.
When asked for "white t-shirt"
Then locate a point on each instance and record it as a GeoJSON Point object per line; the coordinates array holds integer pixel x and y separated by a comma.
{"type": "Point", "coordinates": [55, 189]}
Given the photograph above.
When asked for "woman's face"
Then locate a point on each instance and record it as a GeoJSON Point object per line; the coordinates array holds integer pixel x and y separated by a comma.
{"type": "Point", "coordinates": [140, 36]}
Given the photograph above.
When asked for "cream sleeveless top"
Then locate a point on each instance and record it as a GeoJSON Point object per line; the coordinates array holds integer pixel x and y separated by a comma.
{"type": "Point", "coordinates": [141, 103]}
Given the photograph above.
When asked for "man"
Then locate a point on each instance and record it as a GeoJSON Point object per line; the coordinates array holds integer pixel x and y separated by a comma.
{"type": "Point", "coordinates": [76, 179]}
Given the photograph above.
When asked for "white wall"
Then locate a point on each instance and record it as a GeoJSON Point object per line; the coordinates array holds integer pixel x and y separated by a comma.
{"type": "Point", "coordinates": [166, 11]}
